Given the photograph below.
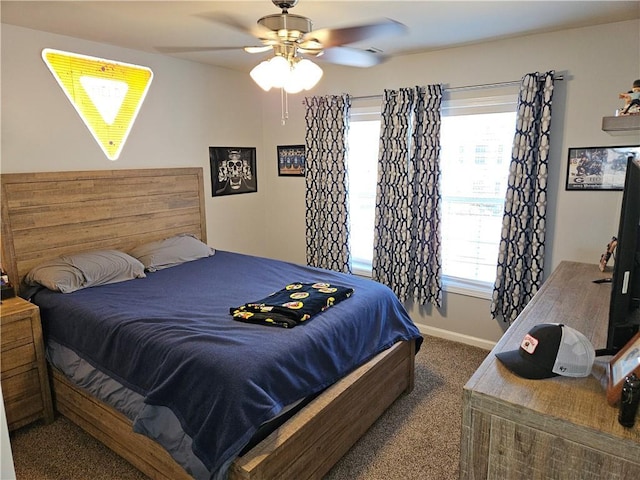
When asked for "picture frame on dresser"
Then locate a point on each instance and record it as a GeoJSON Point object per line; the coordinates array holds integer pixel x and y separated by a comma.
{"type": "Point", "coordinates": [623, 364]}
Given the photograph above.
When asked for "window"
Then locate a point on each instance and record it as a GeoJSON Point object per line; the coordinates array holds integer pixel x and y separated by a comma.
{"type": "Point", "coordinates": [362, 165]}
{"type": "Point", "coordinates": [476, 139]}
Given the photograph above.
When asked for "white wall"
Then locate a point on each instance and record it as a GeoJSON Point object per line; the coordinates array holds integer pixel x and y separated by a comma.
{"type": "Point", "coordinates": [188, 108]}
{"type": "Point", "coordinates": [597, 63]}
{"type": "Point", "coordinates": [191, 107]}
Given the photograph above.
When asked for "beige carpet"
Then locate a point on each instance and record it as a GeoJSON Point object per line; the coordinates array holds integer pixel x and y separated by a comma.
{"type": "Point", "coordinates": [417, 438]}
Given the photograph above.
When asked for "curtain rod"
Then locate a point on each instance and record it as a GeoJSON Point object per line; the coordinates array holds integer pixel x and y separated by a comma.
{"type": "Point", "coordinates": [464, 88]}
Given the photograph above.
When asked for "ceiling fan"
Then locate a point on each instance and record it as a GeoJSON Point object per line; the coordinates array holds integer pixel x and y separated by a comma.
{"type": "Point", "coordinates": [292, 36]}
{"type": "Point", "coordinates": [289, 34]}
{"type": "Point", "coordinates": [291, 39]}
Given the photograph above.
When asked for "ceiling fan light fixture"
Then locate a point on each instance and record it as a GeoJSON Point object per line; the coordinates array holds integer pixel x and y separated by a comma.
{"type": "Point", "coordinates": [309, 72]}
{"type": "Point", "coordinates": [292, 75]}
{"type": "Point", "coordinates": [296, 81]}
{"type": "Point", "coordinates": [279, 70]}
{"type": "Point", "coordinates": [261, 74]}
{"type": "Point", "coordinates": [293, 84]}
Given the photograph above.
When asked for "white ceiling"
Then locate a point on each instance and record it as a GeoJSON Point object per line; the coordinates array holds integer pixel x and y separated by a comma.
{"type": "Point", "coordinates": [432, 25]}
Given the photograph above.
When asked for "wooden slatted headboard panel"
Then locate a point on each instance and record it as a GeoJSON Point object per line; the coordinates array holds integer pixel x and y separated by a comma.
{"type": "Point", "coordinates": [45, 215]}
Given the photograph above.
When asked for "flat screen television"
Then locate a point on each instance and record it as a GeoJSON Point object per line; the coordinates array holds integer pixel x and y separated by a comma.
{"type": "Point", "coordinates": [624, 311]}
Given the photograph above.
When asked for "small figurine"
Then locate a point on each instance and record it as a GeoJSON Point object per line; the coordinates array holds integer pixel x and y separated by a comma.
{"type": "Point", "coordinates": [632, 99]}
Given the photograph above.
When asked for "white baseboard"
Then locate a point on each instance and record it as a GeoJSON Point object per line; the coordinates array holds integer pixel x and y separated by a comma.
{"type": "Point", "coordinates": [456, 337]}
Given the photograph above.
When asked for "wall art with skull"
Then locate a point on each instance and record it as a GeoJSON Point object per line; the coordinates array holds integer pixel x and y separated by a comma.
{"type": "Point", "coordinates": [233, 170]}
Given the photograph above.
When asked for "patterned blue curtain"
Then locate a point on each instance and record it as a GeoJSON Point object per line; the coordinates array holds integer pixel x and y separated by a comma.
{"type": "Point", "coordinates": [327, 212]}
{"type": "Point", "coordinates": [521, 256]}
{"type": "Point", "coordinates": [407, 247]}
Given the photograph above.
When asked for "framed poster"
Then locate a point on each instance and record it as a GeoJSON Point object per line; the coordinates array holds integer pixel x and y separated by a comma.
{"type": "Point", "coordinates": [291, 160]}
{"type": "Point", "coordinates": [599, 168]}
{"type": "Point", "coordinates": [624, 363]}
{"type": "Point", "coordinates": [233, 170]}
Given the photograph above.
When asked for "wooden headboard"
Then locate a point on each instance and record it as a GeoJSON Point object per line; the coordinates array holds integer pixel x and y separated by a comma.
{"type": "Point", "coordinates": [45, 215]}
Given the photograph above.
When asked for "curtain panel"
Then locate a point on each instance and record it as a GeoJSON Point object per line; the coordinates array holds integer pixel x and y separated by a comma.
{"type": "Point", "coordinates": [521, 255]}
{"type": "Point", "coordinates": [407, 244]}
{"type": "Point", "coordinates": [326, 198]}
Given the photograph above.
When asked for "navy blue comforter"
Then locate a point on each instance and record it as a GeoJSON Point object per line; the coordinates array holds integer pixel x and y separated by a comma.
{"type": "Point", "coordinates": [170, 338]}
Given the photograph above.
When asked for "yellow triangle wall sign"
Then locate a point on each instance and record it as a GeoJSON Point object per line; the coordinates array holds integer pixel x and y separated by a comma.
{"type": "Point", "coordinates": [106, 94]}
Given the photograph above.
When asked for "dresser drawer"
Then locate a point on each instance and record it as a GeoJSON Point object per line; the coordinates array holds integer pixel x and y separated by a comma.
{"type": "Point", "coordinates": [16, 333]}
{"type": "Point", "coordinates": [23, 398]}
{"type": "Point", "coordinates": [22, 356]}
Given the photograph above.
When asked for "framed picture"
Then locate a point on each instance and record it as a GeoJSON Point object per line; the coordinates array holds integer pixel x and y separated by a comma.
{"type": "Point", "coordinates": [599, 168]}
{"type": "Point", "coordinates": [291, 160]}
{"type": "Point", "coordinates": [233, 170]}
{"type": "Point", "coordinates": [623, 364]}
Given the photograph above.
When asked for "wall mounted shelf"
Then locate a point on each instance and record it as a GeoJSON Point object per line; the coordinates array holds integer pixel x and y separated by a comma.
{"type": "Point", "coordinates": [622, 125]}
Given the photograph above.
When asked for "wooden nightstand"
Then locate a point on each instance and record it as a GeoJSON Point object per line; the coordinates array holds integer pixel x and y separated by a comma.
{"type": "Point", "coordinates": [23, 369]}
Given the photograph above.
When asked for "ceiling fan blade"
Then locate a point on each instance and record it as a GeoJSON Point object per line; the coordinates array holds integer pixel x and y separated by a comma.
{"type": "Point", "coordinates": [194, 49]}
{"type": "Point", "coordinates": [256, 30]}
{"type": "Point", "coordinates": [310, 52]}
{"type": "Point", "coordinates": [351, 57]}
{"type": "Point", "coordinates": [260, 49]}
{"type": "Point", "coordinates": [334, 37]}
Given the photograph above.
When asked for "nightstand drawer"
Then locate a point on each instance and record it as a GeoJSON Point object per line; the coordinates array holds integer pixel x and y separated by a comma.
{"type": "Point", "coordinates": [23, 356]}
{"type": "Point", "coordinates": [23, 398]}
{"type": "Point", "coordinates": [16, 333]}
{"type": "Point", "coordinates": [25, 381]}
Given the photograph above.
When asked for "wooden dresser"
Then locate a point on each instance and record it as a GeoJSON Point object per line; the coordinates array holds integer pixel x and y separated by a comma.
{"type": "Point", "coordinates": [23, 369]}
{"type": "Point", "coordinates": [558, 428]}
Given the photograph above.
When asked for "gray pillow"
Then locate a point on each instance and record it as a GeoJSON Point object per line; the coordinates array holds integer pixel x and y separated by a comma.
{"type": "Point", "coordinates": [171, 251]}
{"type": "Point", "coordinates": [69, 273]}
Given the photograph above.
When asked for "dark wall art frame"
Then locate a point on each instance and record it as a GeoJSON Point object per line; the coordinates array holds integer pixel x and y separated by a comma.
{"type": "Point", "coordinates": [599, 168]}
{"type": "Point", "coordinates": [291, 160]}
{"type": "Point", "coordinates": [233, 170]}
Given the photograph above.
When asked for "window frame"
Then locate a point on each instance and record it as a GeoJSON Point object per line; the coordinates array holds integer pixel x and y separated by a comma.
{"type": "Point", "coordinates": [477, 104]}
{"type": "Point", "coordinates": [364, 113]}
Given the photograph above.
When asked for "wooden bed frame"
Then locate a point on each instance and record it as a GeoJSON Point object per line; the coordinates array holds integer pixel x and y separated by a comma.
{"type": "Point", "coordinates": [45, 215]}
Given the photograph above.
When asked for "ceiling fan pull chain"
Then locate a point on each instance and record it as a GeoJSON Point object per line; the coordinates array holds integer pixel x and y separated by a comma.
{"type": "Point", "coordinates": [284, 106]}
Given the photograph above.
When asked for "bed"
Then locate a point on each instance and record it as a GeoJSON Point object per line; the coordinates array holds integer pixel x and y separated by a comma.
{"type": "Point", "coordinates": [45, 215]}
